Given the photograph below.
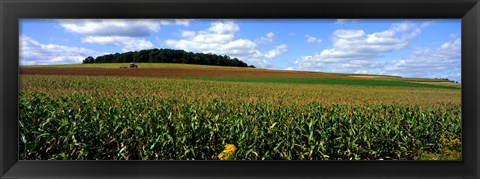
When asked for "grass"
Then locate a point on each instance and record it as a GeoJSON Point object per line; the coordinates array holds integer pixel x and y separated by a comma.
{"type": "Point", "coordinates": [330, 81]}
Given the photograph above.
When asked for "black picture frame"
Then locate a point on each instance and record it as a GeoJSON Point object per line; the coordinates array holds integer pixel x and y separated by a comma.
{"type": "Point", "coordinates": [13, 10]}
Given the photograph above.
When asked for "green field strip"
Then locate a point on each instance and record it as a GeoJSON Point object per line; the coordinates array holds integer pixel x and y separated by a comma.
{"type": "Point", "coordinates": [328, 81]}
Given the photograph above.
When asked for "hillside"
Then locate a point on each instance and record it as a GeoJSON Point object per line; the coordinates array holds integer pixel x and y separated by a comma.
{"type": "Point", "coordinates": [234, 74]}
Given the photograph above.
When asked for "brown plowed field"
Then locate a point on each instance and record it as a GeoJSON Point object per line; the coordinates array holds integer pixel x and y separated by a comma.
{"type": "Point", "coordinates": [172, 72]}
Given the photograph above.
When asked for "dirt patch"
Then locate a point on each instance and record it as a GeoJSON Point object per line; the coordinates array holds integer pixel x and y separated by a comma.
{"type": "Point", "coordinates": [364, 76]}
{"type": "Point", "coordinates": [172, 72]}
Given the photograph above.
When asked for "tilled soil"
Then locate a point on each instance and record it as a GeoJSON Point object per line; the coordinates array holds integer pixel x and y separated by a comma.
{"type": "Point", "coordinates": [171, 72]}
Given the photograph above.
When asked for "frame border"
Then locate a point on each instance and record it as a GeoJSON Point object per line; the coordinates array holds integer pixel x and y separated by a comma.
{"type": "Point", "coordinates": [13, 10]}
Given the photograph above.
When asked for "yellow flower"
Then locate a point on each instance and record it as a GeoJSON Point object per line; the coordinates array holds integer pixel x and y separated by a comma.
{"type": "Point", "coordinates": [228, 152]}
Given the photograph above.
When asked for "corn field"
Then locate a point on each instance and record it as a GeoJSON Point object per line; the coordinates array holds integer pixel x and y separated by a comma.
{"type": "Point", "coordinates": [120, 118]}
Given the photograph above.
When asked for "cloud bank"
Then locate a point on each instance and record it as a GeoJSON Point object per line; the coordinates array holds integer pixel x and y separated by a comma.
{"type": "Point", "coordinates": [441, 62]}
{"type": "Point", "coordinates": [220, 39]}
{"type": "Point", "coordinates": [124, 33]}
{"type": "Point", "coordinates": [34, 53]}
{"type": "Point", "coordinates": [355, 50]}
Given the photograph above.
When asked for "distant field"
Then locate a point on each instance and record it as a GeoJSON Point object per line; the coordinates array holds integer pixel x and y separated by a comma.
{"type": "Point", "coordinates": [170, 71]}
{"type": "Point", "coordinates": [236, 92]}
{"type": "Point", "coordinates": [190, 112]}
{"type": "Point", "coordinates": [337, 81]}
{"type": "Point", "coordinates": [200, 71]}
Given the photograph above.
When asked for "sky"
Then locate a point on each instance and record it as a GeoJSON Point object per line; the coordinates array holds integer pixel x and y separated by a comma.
{"type": "Point", "coordinates": [426, 48]}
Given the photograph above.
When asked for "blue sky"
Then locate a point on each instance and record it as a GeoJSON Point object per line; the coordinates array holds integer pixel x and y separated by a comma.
{"type": "Point", "coordinates": [404, 47]}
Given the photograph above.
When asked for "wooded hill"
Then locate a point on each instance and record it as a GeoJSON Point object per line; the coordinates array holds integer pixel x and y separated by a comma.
{"type": "Point", "coordinates": [168, 56]}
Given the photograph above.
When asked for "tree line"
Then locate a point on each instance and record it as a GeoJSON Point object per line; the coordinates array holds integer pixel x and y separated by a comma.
{"type": "Point", "coordinates": [168, 56]}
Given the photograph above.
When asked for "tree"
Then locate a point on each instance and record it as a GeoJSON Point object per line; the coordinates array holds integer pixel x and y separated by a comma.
{"type": "Point", "coordinates": [89, 59]}
{"type": "Point", "coordinates": [168, 56]}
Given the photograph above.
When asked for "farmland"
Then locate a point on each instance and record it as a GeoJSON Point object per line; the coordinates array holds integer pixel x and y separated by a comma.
{"type": "Point", "coordinates": [191, 112]}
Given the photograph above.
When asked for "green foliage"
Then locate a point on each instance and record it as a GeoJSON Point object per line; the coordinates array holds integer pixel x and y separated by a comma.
{"type": "Point", "coordinates": [168, 56]}
{"type": "Point", "coordinates": [82, 126]}
{"type": "Point", "coordinates": [450, 149]}
{"type": "Point", "coordinates": [89, 59]}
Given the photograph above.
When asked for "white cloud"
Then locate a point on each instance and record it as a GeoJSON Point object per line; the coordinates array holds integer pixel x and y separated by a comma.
{"type": "Point", "coordinates": [268, 38]}
{"type": "Point", "coordinates": [188, 34]}
{"type": "Point", "coordinates": [226, 27]}
{"type": "Point", "coordinates": [442, 62]}
{"type": "Point", "coordinates": [276, 51]}
{"type": "Point", "coordinates": [220, 39]}
{"type": "Point", "coordinates": [33, 52]}
{"type": "Point", "coordinates": [124, 33]}
{"type": "Point", "coordinates": [184, 22]}
{"type": "Point", "coordinates": [452, 36]}
{"type": "Point", "coordinates": [127, 43]}
{"type": "Point", "coordinates": [427, 23]}
{"type": "Point", "coordinates": [270, 35]}
{"type": "Point", "coordinates": [111, 27]}
{"type": "Point", "coordinates": [355, 50]}
{"type": "Point", "coordinates": [118, 27]}
{"type": "Point", "coordinates": [312, 39]}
